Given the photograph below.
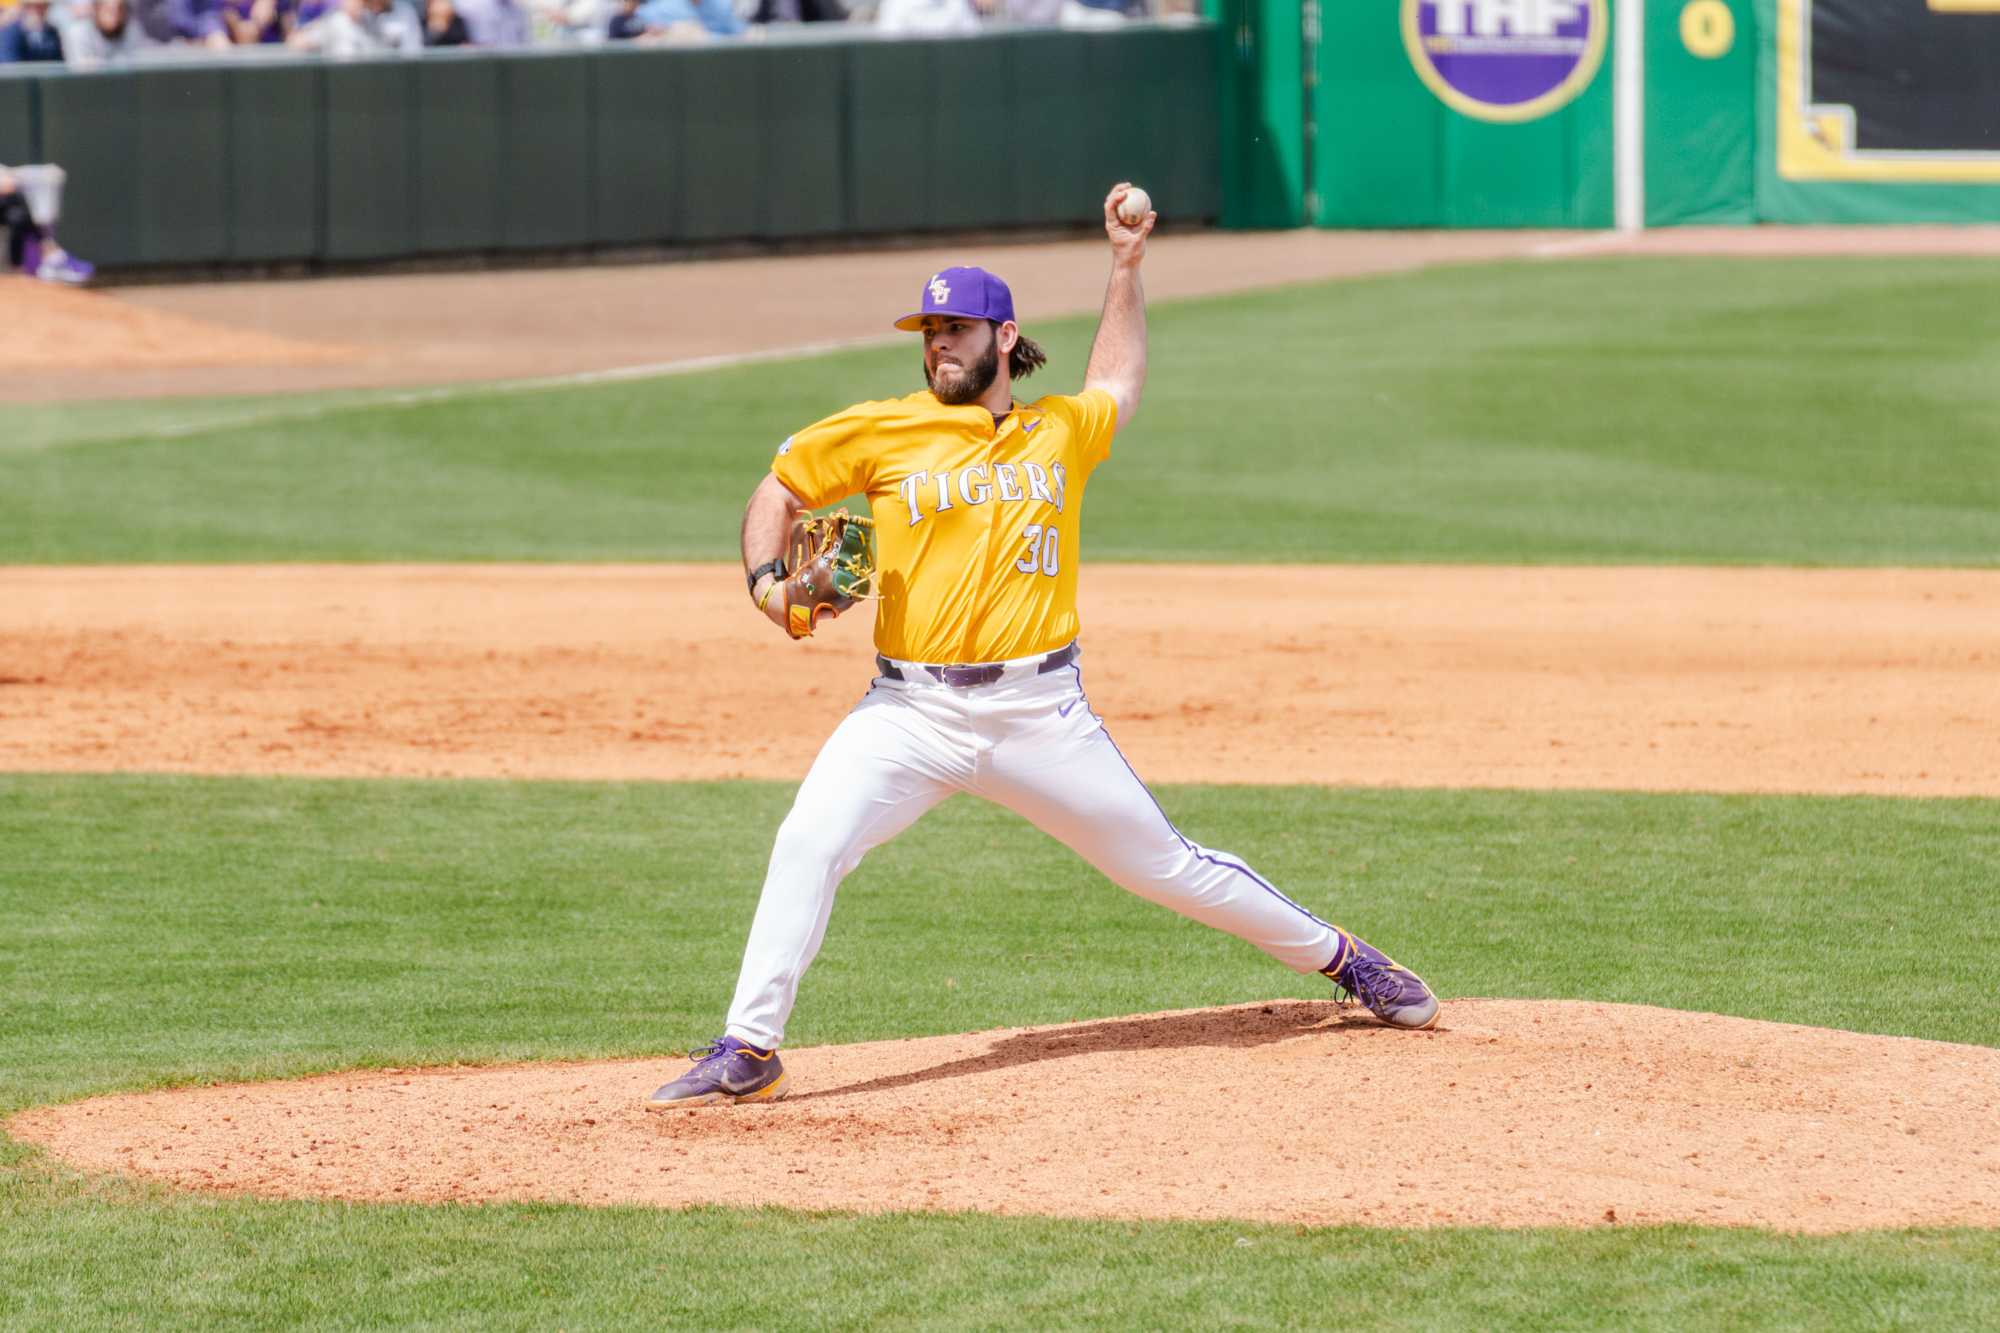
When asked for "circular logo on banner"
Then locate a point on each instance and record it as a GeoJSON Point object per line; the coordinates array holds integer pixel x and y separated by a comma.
{"type": "Point", "coordinates": [1708, 29]}
{"type": "Point", "coordinates": [1505, 59]}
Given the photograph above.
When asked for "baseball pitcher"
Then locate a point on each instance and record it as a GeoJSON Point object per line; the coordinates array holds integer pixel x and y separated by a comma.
{"type": "Point", "coordinates": [974, 502]}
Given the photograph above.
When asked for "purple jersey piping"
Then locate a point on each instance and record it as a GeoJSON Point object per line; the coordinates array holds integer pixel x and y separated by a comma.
{"type": "Point", "coordinates": [1199, 852]}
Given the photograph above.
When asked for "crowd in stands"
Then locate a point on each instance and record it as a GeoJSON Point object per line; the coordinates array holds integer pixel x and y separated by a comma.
{"type": "Point", "coordinates": [88, 33]}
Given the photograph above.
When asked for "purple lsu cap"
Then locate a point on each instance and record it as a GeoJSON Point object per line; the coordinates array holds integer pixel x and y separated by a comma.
{"type": "Point", "coordinates": [971, 293]}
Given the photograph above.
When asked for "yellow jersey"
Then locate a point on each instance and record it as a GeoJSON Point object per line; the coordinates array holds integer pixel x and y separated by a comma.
{"type": "Point", "coordinates": [976, 526]}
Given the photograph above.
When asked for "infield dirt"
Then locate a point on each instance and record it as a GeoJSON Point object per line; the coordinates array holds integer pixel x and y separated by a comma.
{"type": "Point", "coordinates": [1749, 680]}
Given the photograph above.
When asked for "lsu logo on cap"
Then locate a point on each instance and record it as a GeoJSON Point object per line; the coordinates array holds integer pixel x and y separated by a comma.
{"type": "Point", "coordinates": [1505, 60]}
{"type": "Point", "coordinates": [939, 289]}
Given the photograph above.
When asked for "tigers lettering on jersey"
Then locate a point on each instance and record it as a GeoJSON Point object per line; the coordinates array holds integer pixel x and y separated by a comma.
{"type": "Point", "coordinates": [976, 523]}
{"type": "Point", "coordinates": [1043, 483]}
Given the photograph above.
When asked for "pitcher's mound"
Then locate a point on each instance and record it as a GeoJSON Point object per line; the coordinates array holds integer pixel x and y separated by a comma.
{"type": "Point", "coordinates": [1511, 1113]}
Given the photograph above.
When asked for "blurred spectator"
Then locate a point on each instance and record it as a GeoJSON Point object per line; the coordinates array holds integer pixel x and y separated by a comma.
{"type": "Point", "coordinates": [494, 22]}
{"type": "Point", "coordinates": [584, 21]}
{"type": "Point", "coordinates": [197, 22]}
{"type": "Point", "coordinates": [926, 18]}
{"type": "Point", "coordinates": [1024, 12]}
{"type": "Point", "coordinates": [31, 36]}
{"type": "Point", "coordinates": [257, 22]}
{"type": "Point", "coordinates": [110, 36]}
{"type": "Point", "coordinates": [626, 23]}
{"type": "Point", "coordinates": [30, 203]}
{"type": "Point", "coordinates": [1096, 13]}
{"type": "Point", "coordinates": [443, 26]}
{"type": "Point", "coordinates": [799, 11]}
{"type": "Point", "coordinates": [362, 28]}
{"type": "Point", "coordinates": [672, 18]}
{"type": "Point", "coordinates": [153, 19]}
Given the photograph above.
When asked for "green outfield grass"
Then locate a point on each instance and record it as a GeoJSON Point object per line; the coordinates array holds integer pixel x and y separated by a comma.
{"type": "Point", "coordinates": [1631, 410]}
{"type": "Point", "coordinates": [164, 930]}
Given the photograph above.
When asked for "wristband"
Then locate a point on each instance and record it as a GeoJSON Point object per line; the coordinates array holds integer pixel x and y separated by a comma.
{"type": "Point", "coordinates": [773, 566]}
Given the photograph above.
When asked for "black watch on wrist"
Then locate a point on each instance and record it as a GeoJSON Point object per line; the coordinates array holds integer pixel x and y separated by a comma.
{"type": "Point", "coordinates": [776, 566]}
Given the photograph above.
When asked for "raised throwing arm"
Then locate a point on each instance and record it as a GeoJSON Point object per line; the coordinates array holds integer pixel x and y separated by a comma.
{"type": "Point", "coordinates": [1118, 356]}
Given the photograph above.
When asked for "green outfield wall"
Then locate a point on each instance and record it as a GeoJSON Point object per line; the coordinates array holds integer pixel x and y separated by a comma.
{"type": "Point", "coordinates": [1276, 113]}
{"type": "Point", "coordinates": [294, 161]}
{"type": "Point", "coordinates": [1701, 118]}
{"type": "Point", "coordinates": [1264, 127]}
{"type": "Point", "coordinates": [1500, 113]}
{"type": "Point", "coordinates": [1390, 151]}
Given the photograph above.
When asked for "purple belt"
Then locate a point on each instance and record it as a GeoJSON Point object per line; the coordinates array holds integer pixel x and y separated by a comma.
{"type": "Point", "coordinates": [984, 673]}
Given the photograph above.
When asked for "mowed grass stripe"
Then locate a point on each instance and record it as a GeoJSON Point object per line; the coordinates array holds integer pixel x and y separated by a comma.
{"type": "Point", "coordinates": [166, 929]}
{"type": "Point", "coordinates": [174, 929]}
{"type": "Point", "coordinates": [1620, 410]}
{"type": "Point", "coordinates": [110, 1255]}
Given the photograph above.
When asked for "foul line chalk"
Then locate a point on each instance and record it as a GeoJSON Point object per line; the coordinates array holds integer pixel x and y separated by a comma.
{"type": "Point", "coordinates": [1580, 245]}
{"type": "Point", "coordinates": [483, 388]}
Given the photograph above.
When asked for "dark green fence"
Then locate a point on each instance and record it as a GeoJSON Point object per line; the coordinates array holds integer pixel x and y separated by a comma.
{"type": "Point", "coordinates": [483, 153]}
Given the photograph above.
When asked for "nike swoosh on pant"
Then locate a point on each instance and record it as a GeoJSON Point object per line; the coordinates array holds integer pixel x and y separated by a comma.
{"type": "Point", "coordinates": [1064, 710]}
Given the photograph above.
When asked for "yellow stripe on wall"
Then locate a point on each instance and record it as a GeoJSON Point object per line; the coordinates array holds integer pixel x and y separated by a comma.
{"type": "Point", "coordinates": [1965, 6]}
{"type": "Point", "coordinates": [1813, 143]}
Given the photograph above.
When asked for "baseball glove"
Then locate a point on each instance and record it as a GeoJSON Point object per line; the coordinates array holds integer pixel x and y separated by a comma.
{"type": "Point", "coordinates": [832, 562]}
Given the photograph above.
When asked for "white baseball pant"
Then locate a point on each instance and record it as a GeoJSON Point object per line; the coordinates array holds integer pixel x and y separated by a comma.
{"type": "Point", "coordinates": [42, 186]}
{"type": "Point", "coordinates": [1029, 742]}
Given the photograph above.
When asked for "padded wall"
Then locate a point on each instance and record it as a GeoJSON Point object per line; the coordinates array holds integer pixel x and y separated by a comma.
{"type": "Point", "coordinates": [483, 152]}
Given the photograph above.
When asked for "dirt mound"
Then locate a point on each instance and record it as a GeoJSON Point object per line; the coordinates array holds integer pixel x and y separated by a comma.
{"type": "Point", "coordinates": [1511, 1113]}
{"type": "Point", "coordinates": [1770, 680]}
{"type": "Point", "coordinates": [50, 328]}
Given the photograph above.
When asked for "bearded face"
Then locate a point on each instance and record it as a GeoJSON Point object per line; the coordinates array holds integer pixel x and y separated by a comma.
{"type": "Point", "coordinates": [958, 375]}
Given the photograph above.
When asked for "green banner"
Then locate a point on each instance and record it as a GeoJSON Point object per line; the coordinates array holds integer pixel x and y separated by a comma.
{"type": "Point", "coordinates": [1701, 111]}
{"type": "Point", "coordinates": [1463, 113]}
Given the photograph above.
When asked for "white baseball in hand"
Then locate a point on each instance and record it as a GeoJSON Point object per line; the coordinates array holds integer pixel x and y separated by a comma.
{"type": "Point", "coordinates": [1132, 209]}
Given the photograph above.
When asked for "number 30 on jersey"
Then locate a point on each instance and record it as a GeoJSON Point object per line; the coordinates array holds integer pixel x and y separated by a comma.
{"type": "Point", "coordinates": [1042, 544]}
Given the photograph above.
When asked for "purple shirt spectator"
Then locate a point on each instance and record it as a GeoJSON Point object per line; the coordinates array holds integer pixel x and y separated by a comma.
{"type": "Point", "coordinates": [154, 20]}
{"type": "Point", "coordinates": [253, 22]}
{"type": "Point", "coordinates": [197, 20]}
{"type": "Point", "coordinates": [494, 22]}
{"type": "Point", "coordinates": [354, 28]}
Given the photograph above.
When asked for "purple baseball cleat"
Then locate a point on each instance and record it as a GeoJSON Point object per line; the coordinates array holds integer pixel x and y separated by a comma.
{"type": "Point", "coordinates": [59, 265]}
{"type": "Point", "coordinates": [726, 1070]}
{"type": "Point", "coordinates": [1391, 991]}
